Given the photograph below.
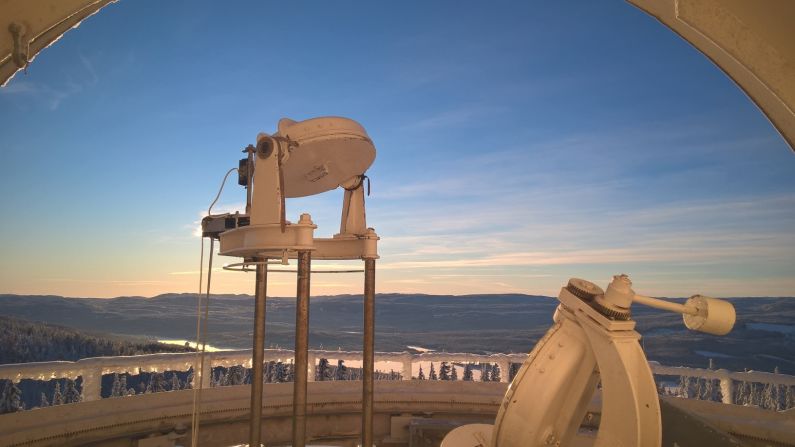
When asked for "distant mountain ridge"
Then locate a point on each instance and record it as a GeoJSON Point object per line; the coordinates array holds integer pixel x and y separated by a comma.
{"type": "Point", "coordinates": [471, 323]}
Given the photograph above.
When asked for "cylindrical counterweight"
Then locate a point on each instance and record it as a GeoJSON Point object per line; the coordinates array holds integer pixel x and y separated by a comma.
{"type": "Point", "coordinates": [714, 316]}
{"type": "Point", "coordinates": [700, 313]}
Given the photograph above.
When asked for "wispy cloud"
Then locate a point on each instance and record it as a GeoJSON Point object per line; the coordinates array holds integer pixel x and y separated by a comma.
{"type": "Point", "coordinates": [50, 96]}
{"type": "Point", "coordinates": [751, 224]}
{"type": "Point", "coordinates": [19, 87]}
{"type": "Point", "coordinates": [53, 95]}
{"type": "Point", "coordinates": [92, 74]}
{"type": "Point", "coordinates": [118, 282]}
{"type": "Point", "coordinates": [455, 117]}
{"type": "Point", "coordinates": [194, 272]}
{"type": "Point", "coordinates": [532, 220]}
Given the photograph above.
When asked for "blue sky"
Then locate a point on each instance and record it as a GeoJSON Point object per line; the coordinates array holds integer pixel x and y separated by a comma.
{"type": "Point", "coordinates": [519, 144]}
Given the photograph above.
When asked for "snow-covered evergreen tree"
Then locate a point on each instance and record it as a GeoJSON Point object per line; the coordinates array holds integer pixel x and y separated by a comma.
{"type": "Point", "coordinates": [710, 390]}
{"type": "Point", "coordinates": [698, 388]}
{"type": "Point", "coordinates": [781, 396]}
{"type": "Point", "coordinates": [43, 402]}
{"type": "Point", "coordinates": [685, 387]}
{"type": "Point", "coordinates": [235, 375]}
{"type": "Point", "coordinates": [485, 372]}
{"type": "Point", "coordinates": [115, 389]}
{"type": "Point", "coordinates": [453, 373]}
{"type": "Point", "coordinates": [743, 394]}
{"type": "Point", "coordinates": [513, 370]}
{"type": "Point", "coordinates": [444, 371]}
{"type": "Point", "coordinates": [279, 373]}
{"type": "Point", "coordinates": [468, 372]}
{"type": "Point", "coordinates": [214, 378]}
{"type": "Point", "coordinates": [15, 399]}
{"type": "Point", "coordinates": [421, 374]}
{"type": "Point", "coordinates": [746, 394]}
{"type": "Point", "coordinates": [57, 397]}
{"type": "Point", "coordinates": [323, 370]}
{"type": "Point", "coordinates": [756, 394]}
{"type": "Point", "coordinates": [11, 398]}
{"type": "Point", "coordinates": [495, 373]}
{"type": "Point", "coordinates": [269, 372]}
{"type": "Point", "coordinates": [342, 371]}
{"type": "Point", "coordinates": [158, 382]}
{"type": "Point", "coordinates": [123, 390]}
{"type": "Point", "coordinates": [432, 373]}
{"type": "Point", "coordinates": [176, 384]}
{"type": "Point", "coordinates": [770, 397]}
{"type": "Point", "coordinates": [71, 395]}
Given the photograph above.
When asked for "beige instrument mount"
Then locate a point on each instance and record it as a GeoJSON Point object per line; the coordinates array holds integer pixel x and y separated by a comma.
{"type": "Point", "coordinates": [593, 341]}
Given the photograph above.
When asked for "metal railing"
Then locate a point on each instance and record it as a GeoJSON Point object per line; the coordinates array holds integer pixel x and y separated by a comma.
{"type": "Point", "coordinates": [729, 387]}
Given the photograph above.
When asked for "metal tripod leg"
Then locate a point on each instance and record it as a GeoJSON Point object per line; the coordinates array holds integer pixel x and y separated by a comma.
{"type": "Point", "coordinates": [301, 349]}
{"type": "Point", "coordinates": [257, 356]}
{"type": "Point", "coordinates": [369, 352]}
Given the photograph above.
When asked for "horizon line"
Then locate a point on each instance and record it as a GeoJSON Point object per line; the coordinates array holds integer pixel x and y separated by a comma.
{"type": "Point", "coordinates": [354, 294]}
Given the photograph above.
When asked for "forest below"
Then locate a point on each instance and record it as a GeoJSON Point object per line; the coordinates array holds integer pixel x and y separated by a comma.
{"type": "Point", "coordinates": [28, 341]}
{"type": "Point", "coordinates": [762, 338]}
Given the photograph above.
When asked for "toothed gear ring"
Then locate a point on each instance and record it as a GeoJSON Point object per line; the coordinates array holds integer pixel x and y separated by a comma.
{"type": "Point", "coordinates": [584, 290]}
{"type": "Point", "coordinates": [609, 310]}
